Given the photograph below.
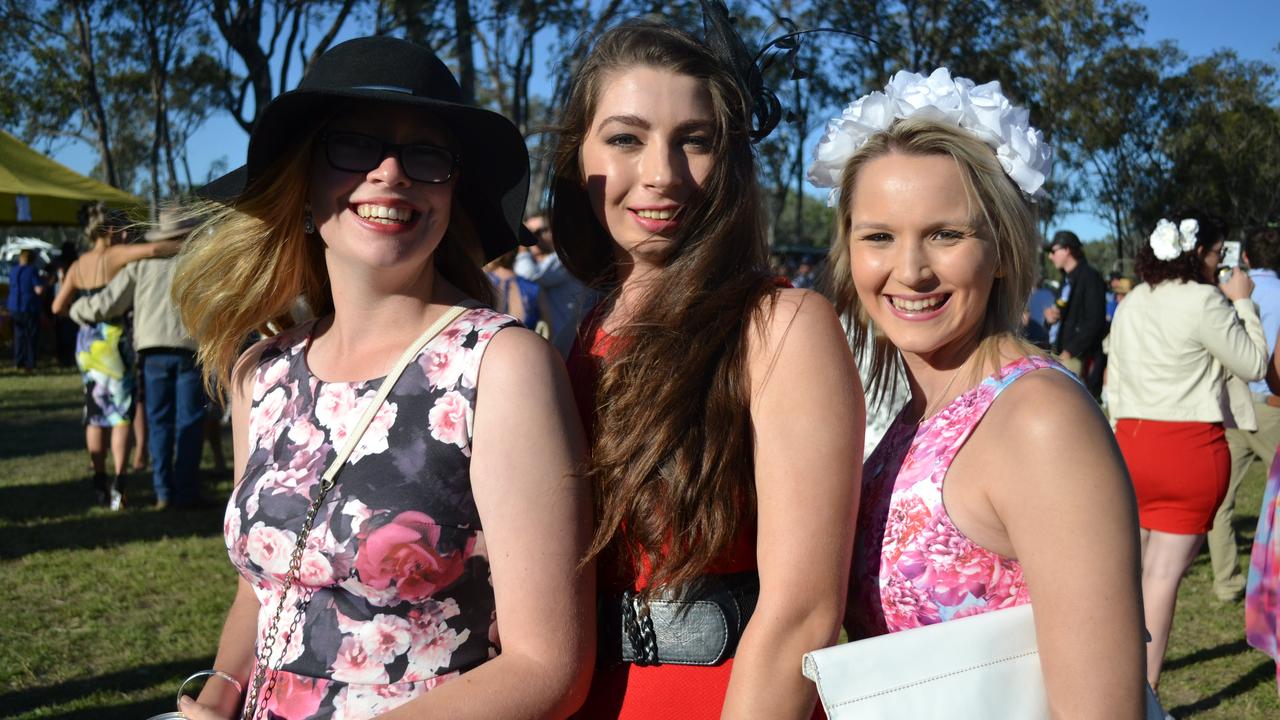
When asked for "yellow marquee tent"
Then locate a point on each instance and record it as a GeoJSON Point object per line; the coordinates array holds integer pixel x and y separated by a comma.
{"type": "Point", "coordinates": [35, 190]}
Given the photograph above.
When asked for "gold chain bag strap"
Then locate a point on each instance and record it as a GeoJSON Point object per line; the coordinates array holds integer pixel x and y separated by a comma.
{"type": "Point", "coordinates": [262, 669]}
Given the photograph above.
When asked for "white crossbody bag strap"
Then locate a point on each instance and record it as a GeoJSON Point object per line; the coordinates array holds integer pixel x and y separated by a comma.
{"type": "Point", "coordinates": [371, 410]}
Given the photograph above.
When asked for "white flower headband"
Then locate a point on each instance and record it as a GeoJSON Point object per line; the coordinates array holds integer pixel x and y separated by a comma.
{"type": "Point", "coordinates": [981, 109]}
{"type": "Point", "coordinates": [1169, 240]}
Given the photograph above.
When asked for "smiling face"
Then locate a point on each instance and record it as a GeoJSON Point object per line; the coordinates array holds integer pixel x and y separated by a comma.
{"type": "Point", "coordinates": [379, 218]}
{"type": "Point", "coordinates": [920, 266]}
{"type": "Point", "coordinates": [645, 156]}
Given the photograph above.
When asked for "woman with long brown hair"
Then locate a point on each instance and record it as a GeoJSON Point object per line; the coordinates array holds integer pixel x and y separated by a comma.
{"type": "Point", "coordinates": [725, 413]}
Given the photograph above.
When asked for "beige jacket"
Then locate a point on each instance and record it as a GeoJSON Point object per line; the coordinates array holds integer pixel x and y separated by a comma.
{"type": "Point", "coordinates": [144, 286]}
{"type": "Point", "coordinates": [1173, 348]}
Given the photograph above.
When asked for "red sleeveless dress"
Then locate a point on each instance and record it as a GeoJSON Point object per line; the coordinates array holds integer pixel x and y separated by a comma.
{"type": "Point", "coordinates": [627, 691]}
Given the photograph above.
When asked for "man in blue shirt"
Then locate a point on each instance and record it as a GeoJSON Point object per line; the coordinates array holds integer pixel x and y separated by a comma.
{"type": "Point", "coordinates": [25, 290]}
{"type": "Point", "coordinates": [1262, 256]}
{"type": "Point", "coordinates": [567, 299]}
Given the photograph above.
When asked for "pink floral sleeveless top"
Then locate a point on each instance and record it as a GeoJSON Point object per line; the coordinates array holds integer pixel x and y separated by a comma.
{"type": "Point", "coordinates": [395, 577]}
{"type": "Point", "coordinates": [911, 565]}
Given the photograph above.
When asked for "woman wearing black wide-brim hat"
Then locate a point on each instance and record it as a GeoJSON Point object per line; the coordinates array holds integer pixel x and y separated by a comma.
{"type": "Point", "coordinates": [394, 527]}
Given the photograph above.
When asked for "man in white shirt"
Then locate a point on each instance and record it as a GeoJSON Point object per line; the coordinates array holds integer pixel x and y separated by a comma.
{"type": "Point", "coordinates": [567, 299]}
{"type": "Point", "coordinates": [1262, 255]}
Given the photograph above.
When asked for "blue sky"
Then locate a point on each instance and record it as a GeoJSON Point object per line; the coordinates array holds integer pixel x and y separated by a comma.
{"type": "Point", "coordinates": [1199, 27]}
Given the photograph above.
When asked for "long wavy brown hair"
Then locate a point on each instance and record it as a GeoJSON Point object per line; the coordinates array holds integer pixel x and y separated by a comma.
{"type": "Point", "coordinates": [672, 459]}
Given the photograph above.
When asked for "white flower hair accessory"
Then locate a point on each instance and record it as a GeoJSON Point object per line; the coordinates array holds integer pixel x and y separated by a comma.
{"type": "Point", "coordinates": [1168, 241]}
{"type": "Point", "coordinates": [981, 109]}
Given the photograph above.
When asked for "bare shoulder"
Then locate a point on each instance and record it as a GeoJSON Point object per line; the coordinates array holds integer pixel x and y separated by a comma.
{"type": "Point", "coordinates": [516, 356]}
{"type": "Point", "coordinates": [1049, 422]}
{"type": "Point", "coordinates": [797, 340]}
{"type": "Point", "coordinates": [793, 316]}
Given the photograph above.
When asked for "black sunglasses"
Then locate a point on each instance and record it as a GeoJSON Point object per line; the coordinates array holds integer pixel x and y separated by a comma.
{"type": "Point", "coordinates": [357, 152]}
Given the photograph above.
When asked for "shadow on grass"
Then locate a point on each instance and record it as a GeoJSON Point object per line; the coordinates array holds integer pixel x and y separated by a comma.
{"type": "Point", "coordinates": [1264, 671]}
{"type": "Point", "coordinates": [102, 529]}
{"type": "Point", "coordinates": [35, 437]}
{"type": "Point", "coordinates": [1204, 655]}
{"type": "Point", "coordinates": [22, 503]}
{"type": "Point", "coordinates": [124, 681]}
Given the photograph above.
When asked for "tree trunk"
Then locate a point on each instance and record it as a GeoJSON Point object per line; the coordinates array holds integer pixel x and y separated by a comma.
{"type": "Point", "coordinates": [92, 98]}
{"type": "Point", "coordinates": [466, 58]}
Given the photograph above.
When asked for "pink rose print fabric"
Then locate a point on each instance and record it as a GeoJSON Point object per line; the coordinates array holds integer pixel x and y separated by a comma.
{"type": "Point", "coordinates": [394, 572]}
{"type": "Point", "coordinates": [911, 565]}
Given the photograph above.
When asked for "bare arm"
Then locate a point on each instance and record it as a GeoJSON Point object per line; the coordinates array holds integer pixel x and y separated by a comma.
{"type": "Point", "coordinates": [536, 515]}
{"type": "Point", "coordinates": [1059, 487]}
{"type": "Point", "coordinates": [235, 656]}
{"type": "Point", "coordinates": [808, 415]}
{"type": "Point", "coordinates": [120, 255]}
{"type": "Point", "coordinates": [66, 291]}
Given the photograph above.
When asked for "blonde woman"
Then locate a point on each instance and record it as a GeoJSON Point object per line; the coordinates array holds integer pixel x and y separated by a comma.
{"type": "Point", "coordinates": [103, 351]}
{"type": "Point", "coordinates": [999, 484]}
{"type": "Point", "coordinates": [438, 576]}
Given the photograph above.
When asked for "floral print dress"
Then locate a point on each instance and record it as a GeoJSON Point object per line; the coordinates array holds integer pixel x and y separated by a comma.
{"type": "Point", "coordinates": [1262, 593]}
{"type": "Point", "coordinates": [394, 584]}
{"type": "Point", "coordinates": [912, 566]}
{"type": "Point", "coordinates": [104, 354]}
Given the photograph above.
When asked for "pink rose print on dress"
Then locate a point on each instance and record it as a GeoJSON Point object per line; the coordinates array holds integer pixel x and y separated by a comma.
{"type": "Point", "coordinates": [434, 642]}
{"type": "Point", "coordinates": [354, 665]}
{"type": "Point", "coordinates": [264, 421]}
{"type": "Point", "coordinates": [335, 407]}
{"type": "Point", "coordinates": [296, 697]}
{"type": "Point", "coordinates": [381, 639]}
{"type": "Point", "coordinates": [374, 440]}
{"type": "Point", "coordinates": [403, 552]}
{"type": "Point", "coordinates": [360, 702]}
{"type": "Point", "coordinates": [947, 563]}
{"type": "Point", "coordinates": [274, 373]}
{"type": "Point", "coordinates": [1006, 588]}
{"type": "Point", "coordinates": [908, 515]}
{"type": "Point", "coordinates": [449, 420]}
{"type": "Point", "coordinates": [270, 548]}
{"type": "Point", "coordinates": [442, 366]}
{"type": "Point", "coordinates": [289, 480]}
{"type": "Point", "coordinates": [907, 605]}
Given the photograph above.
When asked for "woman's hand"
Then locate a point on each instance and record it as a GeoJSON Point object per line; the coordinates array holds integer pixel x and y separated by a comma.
{"type": "Point", "coordinates": [193, 710]}
{"type": "Point", "coordinates": [1239, 286]}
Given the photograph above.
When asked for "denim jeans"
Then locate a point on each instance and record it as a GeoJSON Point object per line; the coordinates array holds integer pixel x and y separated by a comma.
{"type": "Point", "coordinates": [26, 325]}
{"type": "Point", "coordinates": [176, 405]}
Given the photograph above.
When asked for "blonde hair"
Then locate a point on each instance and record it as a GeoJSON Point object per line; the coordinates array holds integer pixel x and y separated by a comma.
{"type": "Point", "coordinates": [248, 263]}
{"type": "Point", "coordinates": [1005, 218]}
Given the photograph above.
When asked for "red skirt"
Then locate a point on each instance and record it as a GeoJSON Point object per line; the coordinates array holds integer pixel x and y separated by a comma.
{"type": "Point", "coordinates": [1180, 472]}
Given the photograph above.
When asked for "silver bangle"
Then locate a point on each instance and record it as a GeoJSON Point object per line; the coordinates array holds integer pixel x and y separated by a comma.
{"type": "Point", "coordinates": [211, 673]}
{"type": "Point", "coordinates": [227, 677]}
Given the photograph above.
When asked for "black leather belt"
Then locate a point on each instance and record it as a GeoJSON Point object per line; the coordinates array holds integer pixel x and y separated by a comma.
{"type": "Point", "coordinates": [698, 627]}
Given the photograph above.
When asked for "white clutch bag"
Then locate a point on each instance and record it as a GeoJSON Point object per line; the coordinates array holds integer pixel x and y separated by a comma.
{"type": "Point", "coordinates": [975, 668]}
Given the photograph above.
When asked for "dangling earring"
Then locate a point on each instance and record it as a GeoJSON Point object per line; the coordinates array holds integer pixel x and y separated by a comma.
{"type": "Point", "coordinates": [308, 222]}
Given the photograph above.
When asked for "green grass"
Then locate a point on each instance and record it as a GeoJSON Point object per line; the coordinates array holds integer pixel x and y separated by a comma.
{"type": "Point", "coordinates": [103, 614]}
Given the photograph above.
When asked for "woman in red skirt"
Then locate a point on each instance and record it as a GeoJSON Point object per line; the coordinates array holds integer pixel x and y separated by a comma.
{"type": "Point", "coordinates": [1173, 342]}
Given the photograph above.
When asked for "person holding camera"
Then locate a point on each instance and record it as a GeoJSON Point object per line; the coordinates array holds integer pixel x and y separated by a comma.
{"type": "Point", "coordinates": [1175, 341]}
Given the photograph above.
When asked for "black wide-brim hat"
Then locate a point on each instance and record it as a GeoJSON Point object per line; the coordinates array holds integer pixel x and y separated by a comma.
{"type": "Point", "coordinates": [494, 177]}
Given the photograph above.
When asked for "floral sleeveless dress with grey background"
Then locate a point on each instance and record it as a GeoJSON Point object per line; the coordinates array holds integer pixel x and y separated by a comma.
{"type": "Point", "coordinates": [395, 575]}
